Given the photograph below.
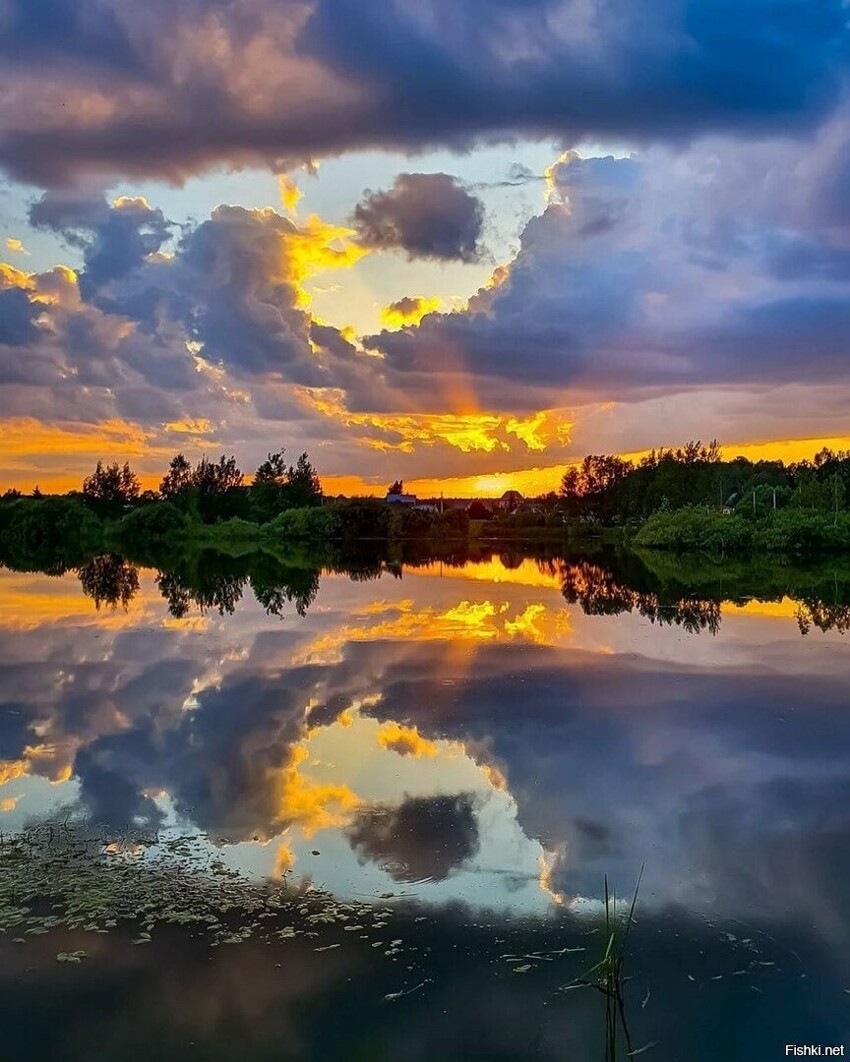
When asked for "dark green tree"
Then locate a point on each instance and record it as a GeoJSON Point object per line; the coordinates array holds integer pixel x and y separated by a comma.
{"type": "Point", "coordinates": [111, 486]}
{"type": "Point", "coordinates": [178, 480]}
{"type": "Point", "coordinates": [272, 470]}
{"type": "Point", "coordinates": [302, 484]}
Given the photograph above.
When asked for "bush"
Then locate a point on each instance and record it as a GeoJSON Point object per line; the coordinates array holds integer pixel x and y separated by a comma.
{"type": "Point", "coordinates": [695, 529]}
{"type": "Point", "coordinates": [362, 518]}
{"type": "Point", "coordinates": [788, 530]}
{"type": "Point", "coordinates": [317, 525]}
{"type": "Point", "coordinates": [800, 531]}
{"type": "Point", "coordinates": [156, 522]}
{"type": "Point", "coordinates": [34, 530]}
{"type": "Point", "coordinates": [408, 522]}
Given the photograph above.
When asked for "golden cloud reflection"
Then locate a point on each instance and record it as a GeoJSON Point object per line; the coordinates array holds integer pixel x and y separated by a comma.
{"type": "Point", "coordinates": [365, 753]}
{"type": "Point", "coordinates": [466, 621]}
{"type": "Point", "coordinates": [33, 601]}
{"type": "Point", "coordinates": [405, 740]}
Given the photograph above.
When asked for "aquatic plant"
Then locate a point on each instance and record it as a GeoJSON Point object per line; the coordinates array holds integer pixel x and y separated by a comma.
{"type": "Point", "coordinates": [607, 975]}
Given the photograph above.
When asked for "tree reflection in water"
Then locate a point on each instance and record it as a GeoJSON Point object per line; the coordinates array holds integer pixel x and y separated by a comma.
{"type": "Point", "coordinates": [689, 594]}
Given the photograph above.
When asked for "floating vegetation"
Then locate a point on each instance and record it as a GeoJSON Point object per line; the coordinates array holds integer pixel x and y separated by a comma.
{"type": "Point", "coordinates": [64, 877]}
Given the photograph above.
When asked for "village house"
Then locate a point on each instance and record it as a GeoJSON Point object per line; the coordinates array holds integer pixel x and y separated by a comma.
{"type": "Point", "coordinates": [401, 499]}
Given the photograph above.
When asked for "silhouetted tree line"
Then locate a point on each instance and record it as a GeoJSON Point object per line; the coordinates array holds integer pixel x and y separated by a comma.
{"type": "Point", "coordinates": [612, 490]}
{"type": "Point", "coordinates": [209, 490]}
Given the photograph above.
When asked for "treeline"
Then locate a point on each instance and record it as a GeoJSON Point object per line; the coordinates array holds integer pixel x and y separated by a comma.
{"type": "Point", "coordinates": [691, 499]}
{"type": "Point", "coordinates": [209, 490]}
{"type": "Point", "coordinates": [209, 503]}
{"type": "Point", "coordinates": [612, 490]}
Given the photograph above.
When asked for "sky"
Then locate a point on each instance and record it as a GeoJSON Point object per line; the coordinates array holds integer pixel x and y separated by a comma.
{"type": "Point", "coordinates": [456, 242]}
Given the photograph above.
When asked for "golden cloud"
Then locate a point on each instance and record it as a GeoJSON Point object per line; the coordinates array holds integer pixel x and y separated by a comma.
{"type": "Point", "coordinates": [314, 247]}
{"type": "Point", "coordinates": [290, 194]}
{"type": "Point", "coordinates": [308, 804]}
{"type": "Point", "coordinates": [467, 432]}
{"type": "Point", "coordinates": [408, 311]}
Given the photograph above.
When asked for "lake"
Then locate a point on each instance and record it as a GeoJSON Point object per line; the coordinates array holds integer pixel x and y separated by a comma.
{"type": "Point", "coordinates": [368, 810]}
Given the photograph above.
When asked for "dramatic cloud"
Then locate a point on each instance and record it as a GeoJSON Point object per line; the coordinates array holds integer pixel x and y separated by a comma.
{"type": "Point", "coordinates": [98, 88]}
{"type": "Point", "coordinates": [426, 215]}
{"type": "Point", "coordinates": [168, 333]}
{"type": "Point", "coordinates": [721, 264]}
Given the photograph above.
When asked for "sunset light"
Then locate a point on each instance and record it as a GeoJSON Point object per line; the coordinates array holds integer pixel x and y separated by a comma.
{"type": "Point", "coordinates": [424, 530]}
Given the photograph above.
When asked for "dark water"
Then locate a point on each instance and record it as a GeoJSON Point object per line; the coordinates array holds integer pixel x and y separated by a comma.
{"type": "Point", "coordinates": [461, 752]}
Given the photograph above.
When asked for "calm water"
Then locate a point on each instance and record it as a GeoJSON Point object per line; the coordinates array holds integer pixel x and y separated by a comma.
{"type": "Point", "coordinates": [468, 747]}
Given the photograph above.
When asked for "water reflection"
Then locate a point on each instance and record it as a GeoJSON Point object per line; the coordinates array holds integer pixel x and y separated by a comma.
{"type": "Point", "coordinates": [461, 731]}
{"type": "Point", "coordinates": [686, 595]}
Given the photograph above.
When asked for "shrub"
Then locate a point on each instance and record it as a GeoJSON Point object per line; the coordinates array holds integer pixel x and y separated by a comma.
{"type": "Point", "coordinates": [35, 531]}
{"type": "Point", "coordinates": [315, 524]}
{"type": "Point", "coordinates": [695, 529]}
{"type": "Point", "coordinates": [156, 522]}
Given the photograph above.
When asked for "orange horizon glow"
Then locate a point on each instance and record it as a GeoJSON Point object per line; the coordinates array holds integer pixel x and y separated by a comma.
{"type": "Point", "coordinates": [57, 457]}
{"type": "Point", "coordinates": [541, 480]}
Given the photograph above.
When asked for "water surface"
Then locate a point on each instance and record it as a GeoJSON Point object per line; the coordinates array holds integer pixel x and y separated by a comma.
{"type": "Point", "coordinates": [468, 745]}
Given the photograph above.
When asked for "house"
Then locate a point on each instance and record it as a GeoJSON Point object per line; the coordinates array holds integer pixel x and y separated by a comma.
{"type": "Point", "coordinates": [401, 499]}
{"type": "Point", "coordinates": [510, 500]}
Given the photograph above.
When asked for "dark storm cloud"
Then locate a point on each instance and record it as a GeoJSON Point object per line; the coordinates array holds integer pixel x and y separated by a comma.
{"type": "Point", "coordinates": [421, 838]}
{"type": "Point", "coordinates": [173, 90]}
{"type": "Point", "coordinates": [426, 215]}
{"type": "Point", "coordinates": [63, 30]}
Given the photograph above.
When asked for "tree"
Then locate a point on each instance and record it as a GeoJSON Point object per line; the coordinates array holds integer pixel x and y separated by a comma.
{"type": "Point", "coordinates": [111, 486]}
{"type": "Point", "coordinates": [268, 491]}
{"type": "Point", "coordinates": [477, 510]}
{"type": "Point", "coordinates": [589, 488]}
{"type": "Point", "coordinates": [273, 470]}
{"type": "Point", "coordinates": [217, 477]}
{"type": "Point", "coordinates": [397, 487]}
{"type": "Point", "coordinates": [217, 485]}
{"type": "Point", "coordinates": [178, 479]}
{"type": "Point", "coordinates": [302, 484]}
